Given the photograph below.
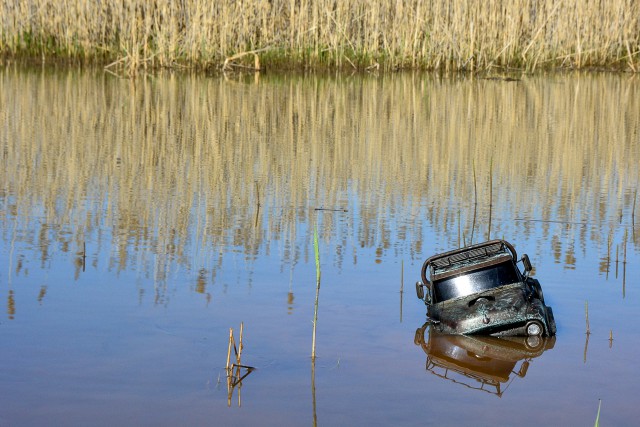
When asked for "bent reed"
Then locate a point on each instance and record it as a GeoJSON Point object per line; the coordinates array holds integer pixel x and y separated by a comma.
{"type": "Point", "coordinates": [418, 34]}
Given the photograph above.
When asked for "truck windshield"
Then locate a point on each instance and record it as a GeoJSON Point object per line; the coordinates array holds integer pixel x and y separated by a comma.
{"type": "Point", "coordinates": [476, 281]}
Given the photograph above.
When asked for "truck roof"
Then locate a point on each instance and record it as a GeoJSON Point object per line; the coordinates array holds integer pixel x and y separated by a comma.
{"type": "Point", "coordinates": [470, 258]}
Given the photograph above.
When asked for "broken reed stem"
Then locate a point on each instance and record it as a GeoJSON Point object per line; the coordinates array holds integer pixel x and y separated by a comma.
{"type": "Point", "coordinates": [490, 185]}
{"type": "Point", "coordinates": [258, 193]}
{"type": "Point", "coordinates": [586, 348]}
{"type": "Point", "coordinates": [234, 370]}
{"type": "Point", "coordinates": [475, 185]}
{"type": "Point", "coordinates": [240, 345]}
{"type": "Point", "coordinates": [258, 209]}
{"type": "Point", "coordinates": [401, 286]}
{"type": "Point", "coordinates": [228, 64]}
{"type": "Point", "coordinates": [229, 350]}
{"type": "Point", "coordinates": [401, 276]}
{"type": "Point", "coordinates": [624, 263]}
{"type": "Point", "coordinates": [475, 203]}
{"type": "Point", "coordinates": [586, 313]}
{"type": "Point", "coordinates": [633, 209]}
{"type": "Point", "coordinates": [609, 243]}
{"type": "Point", "coordinates": [315, 311]}
{"type": "Point", "coordinates": [237, 350]}
{"type": "Point", "coordinates": [459, 228]}
{"type": "Point", "coordinates": [624, 280]}
{"type": "Point", "coordinates": [316, 252]}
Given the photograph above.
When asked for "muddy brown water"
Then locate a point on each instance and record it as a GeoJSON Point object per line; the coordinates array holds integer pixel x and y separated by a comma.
{"type": "Point", "coordinates": [142, 219]}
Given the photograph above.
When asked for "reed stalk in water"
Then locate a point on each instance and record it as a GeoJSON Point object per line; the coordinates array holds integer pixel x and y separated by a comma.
{"type": "Point", "coordinates": [586, 313]}
{"type": "Point", "coordinates": [315, 311]}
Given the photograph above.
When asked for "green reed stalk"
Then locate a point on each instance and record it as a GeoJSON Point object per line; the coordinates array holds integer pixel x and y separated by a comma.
{"type": "Point", "coordinates": [315, 311]}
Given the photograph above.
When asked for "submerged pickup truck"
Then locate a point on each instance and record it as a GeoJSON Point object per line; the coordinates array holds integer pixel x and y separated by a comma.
{"type": "Point", "coordinates": [479, 289]}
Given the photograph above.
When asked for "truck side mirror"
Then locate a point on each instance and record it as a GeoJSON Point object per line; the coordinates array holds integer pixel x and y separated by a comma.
{"type": "Point", "coordinates": [420, 292]}
{"type": "Point", "coordinates": [523, 369]}
{"type": "Point", "coordinates": [527, 263]}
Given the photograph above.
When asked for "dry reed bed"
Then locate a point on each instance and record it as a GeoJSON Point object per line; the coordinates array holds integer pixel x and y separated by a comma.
{"type": "Point", "coordinates": [171, 164]}
{"type": "Point", "coordinates": [439, 34]}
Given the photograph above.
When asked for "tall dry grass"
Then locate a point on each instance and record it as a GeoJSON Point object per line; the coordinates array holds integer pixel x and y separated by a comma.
{"type": "Point", "coordinates": [438, 34]}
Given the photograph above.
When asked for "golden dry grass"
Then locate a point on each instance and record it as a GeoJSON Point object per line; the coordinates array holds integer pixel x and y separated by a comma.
{"type": "Point", "coordinates": [440, 34]}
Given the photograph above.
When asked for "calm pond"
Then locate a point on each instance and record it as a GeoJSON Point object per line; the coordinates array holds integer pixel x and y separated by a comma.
{"type": "Point", "coordinates": [142, 219]}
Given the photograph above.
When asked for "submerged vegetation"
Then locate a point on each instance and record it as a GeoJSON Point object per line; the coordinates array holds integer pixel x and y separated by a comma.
{"type": "Point", "coordinates": [440, 34]}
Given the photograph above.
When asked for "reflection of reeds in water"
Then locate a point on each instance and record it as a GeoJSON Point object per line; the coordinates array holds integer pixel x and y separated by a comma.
{"type": "Point", "coordinates": [167, 167]}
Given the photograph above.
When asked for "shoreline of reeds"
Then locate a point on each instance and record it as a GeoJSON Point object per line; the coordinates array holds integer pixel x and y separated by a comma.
{"type": "Point", "coordinates": [462, 35]}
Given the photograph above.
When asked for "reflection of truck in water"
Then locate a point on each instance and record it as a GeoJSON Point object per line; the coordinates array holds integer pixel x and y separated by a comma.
{"type": "Point", "coordinates": [479, 362]}
{"type": "Point", "coordinates": [479, 289]}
